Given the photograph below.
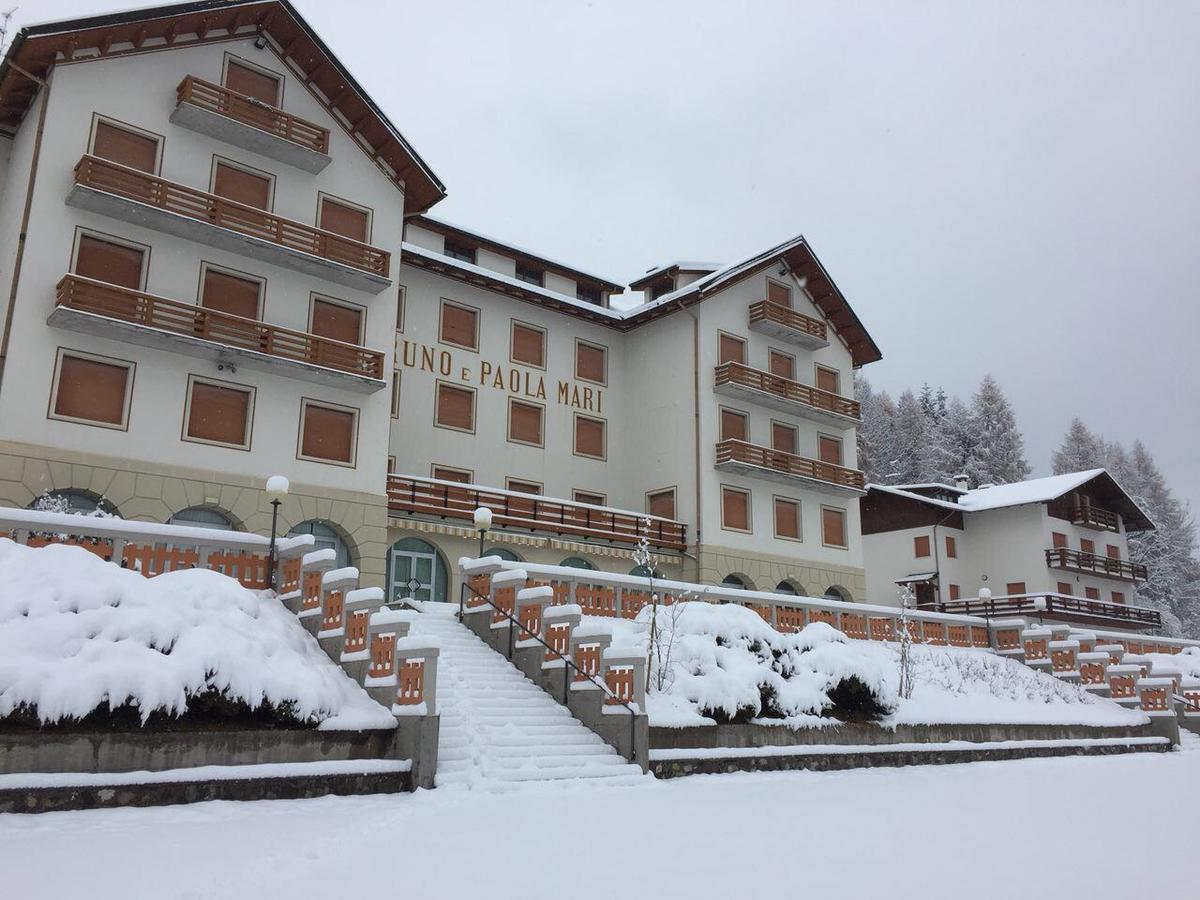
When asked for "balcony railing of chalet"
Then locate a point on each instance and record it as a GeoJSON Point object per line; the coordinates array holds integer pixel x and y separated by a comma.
{"type": "Point", "coordinates": [1092, 517]}
{"type": "Point", "coordinates": [141, 187]}
{"type": "Point", "coordinates": [1094, 564]}
{"type": "Point", "coordinates": [786, 316]}
{"type": "Point", "coordinates": [255, 113]}
{"type": "Point", "coordinates": [788, 463]}
{"type": "Point", "coordinates": [447, 500]}
{"type": "Point", "coordinates": [736, 373]}
{"type": "Point", "coordinates": [1054, 605]}
{"type": "Point", "coordinates": [115, 302]}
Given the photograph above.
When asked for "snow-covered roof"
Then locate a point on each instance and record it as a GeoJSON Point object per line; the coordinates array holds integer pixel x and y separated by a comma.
{"type": "Point", "coordinates": [921, 498]}
{"type": "Point", "coordinates": [678, 265]}
{"type": "Point", "coordinates": [930, 486]}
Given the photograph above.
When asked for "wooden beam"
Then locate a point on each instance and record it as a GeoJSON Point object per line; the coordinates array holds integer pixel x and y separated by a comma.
{"type": "Point", "coordinates": [202, 29]}
{"type": "Point", "coordinates": [105, 43]}
{"type": "Point", "coordinates": [139, 38]}
{"type": "Point", "coordinates": [171, 34]}
{"type": "Point", "coordinates": [234, 23]}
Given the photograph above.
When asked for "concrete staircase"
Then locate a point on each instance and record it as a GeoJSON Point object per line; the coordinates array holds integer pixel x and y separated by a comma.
{"type": "Point", "coordinates": [498, 729]}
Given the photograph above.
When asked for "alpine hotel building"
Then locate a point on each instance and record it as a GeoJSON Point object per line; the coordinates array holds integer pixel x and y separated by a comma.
{"type": "Point", "coordinates": [217, 264]}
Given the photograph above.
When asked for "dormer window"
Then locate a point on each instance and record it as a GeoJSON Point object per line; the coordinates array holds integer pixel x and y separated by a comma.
{"type": "Point", "coordinates": [587, 293]}
{"type": "Point", "coordinates": [530, 274]}
{"type": "Point", "coordinates": [463, 252]}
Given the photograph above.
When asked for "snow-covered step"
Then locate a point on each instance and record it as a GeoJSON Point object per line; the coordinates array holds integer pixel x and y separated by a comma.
{"type": "Point", "coordinates": [498, 729]}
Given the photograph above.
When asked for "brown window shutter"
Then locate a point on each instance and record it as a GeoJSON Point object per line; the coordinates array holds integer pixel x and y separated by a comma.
{"type": "Point", "coordinates": [783, 438]}
{"type": "Point", "coordinates": [328, 434]}
{"type": "Point", "coordinates": [589, 437]}
{"type": "Point", "coordinates": [92, 390]}
{"type": "Point", "coordinates": [242, 186]}
{"type": "Point", "coordinates": [125, 147]}
{"type": "Point", "coordinates": [782, 365]}
{"type": "Point", "coordinates": [218, 413]}
{"type": "Point", "coordinates": [828, 380]}
{"type": "Point", "coordinates": [787, 518]}
{"type": "Point", "coordinates": [1064, 587]}
{"type": "Point", "coordinates": [1014, 587]}
{"type": "Point", "coordinates": [1087, 546]}
{"type": "Point", "coordinates": [109, 262]}
{"type": "Point", "coordinates": [455, 407]}
{"type": "Point", "coordinates": [731, 349]}
{"type": "Point", "coordinates": [954, 592]}
{"type": "Point", "coordinates": [733, 426]}
{"type": "Point", "coordinates": [459, 326]}
{"type": "Point", "coordinates": [252, 83]}
{"type": "Point", "coordinates": [1118, 596]}
{"type": "Point", "coordinates": [524, 487]}
{"type": "Point", "coordinates": [779, 293]}
{"type": "Point", "coordinates": [395, 395]}
{"type": "Point", "coordinates": [951, 547]}
{"type": "Point", "coordinates": [921, 545]}
{"type": "Point", "coordinates": [833, 527]}
{"type": "Point", "coordinates": [735, 509]}
{"type": "Point", "coordinates": [588, 497]}
{"type": "Point", "coordinates": [230, 294]}
{"type": "Point", "coordinates": [333, 320]}
{"type": "Point", "coordinates": [829, 450]}
{"type": "Point", "coordinates": [525, 422]}
{"type": "Point", "coordinates": [1058, 540]}
{"type": "Point", "coordinates": [528, 345]}
{"type": "Point", "coordinates": [344, 220]}
{"type": "Point", "coordinates": [443, 474]}
{"type": "Point", "coordinates": [1092, 593]}
{"type": "Point", "coordinates": [590, 362]}
{"type": "Point", "coordinates": [1113, 551]}
{"type": "Point", "coordinates": [662, 504]}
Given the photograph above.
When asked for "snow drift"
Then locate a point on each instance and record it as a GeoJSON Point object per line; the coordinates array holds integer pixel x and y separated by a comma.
{"type": "Point", "coordinates": [77, 632]}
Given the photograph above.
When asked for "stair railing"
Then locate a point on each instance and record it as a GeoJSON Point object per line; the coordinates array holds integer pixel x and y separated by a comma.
{"type": "Point", "coordinates": [568, 667]}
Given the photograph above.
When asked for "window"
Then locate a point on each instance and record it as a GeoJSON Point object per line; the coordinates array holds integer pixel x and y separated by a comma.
{"type": "Point", "coordinates": [576, 562]}
{"type": "Point", "coordinates": [661, 288]}
{"type": "Point", "coordinates": [126, 146]}
{"type": "Point", "coordinates": [591, 362]}
{"type": "Point", "coordinates": [921, 545]}
{"type": "Point", "coordinates": [253, 82]}
{"type": "Point", "coordinates": [110, 261]}
{"type": "Point", "coordinates": [242, 185]}
{"type": "Point", "coordinates": [590, 437]}
{"type": "Point", "coordinates": [1118, 597]}
{"type": "Point", "coordinates": [955, 593]}
{"type": "Point", "coordinates": [735, 509]}
{"type": "Point", "coordinates": [91, 389]}
{"type": "Point", "coordinates": [735, 426]}
{"type": "Point", "coordinates": [525, 422]}
{"type": "Point", "coordinates": [1086, 546]}
{"type": "Point", "coordinates": [395, 395]}
{"type": "Point", "coordinates": [326, 537]}
{"type": "Point", "coordinates": [203, 517]}
{"type": "Point", "coordinates": [391, 464]}
{"type": "Point", "coordinates": [522, 487]}
{"type": "Point", "coordinates": [454, 407]}
{"type": "Point", "coordinates": [661, 503]}
{"type": "Point", "coordinates": [345, 219]}
{"type": "Point", "coordinates": [334, 319]}
{"type": "Point", "coordinates": [218, 413]}
{"type": "Point", "coordinates": [783, 437]}
{"type": "Point", "coordinates": [588, 293]}
{"type": "Point", "coordinates": [828, 380]}
{"type": "Point", "coordinates": [781, 365]}
{"type": "Point", "coordinates": [951, 547]}
{"type": "Point", "coordinates": [227, 292]}
{"type": "Point", "coordinates": [460, 326]}
{"type": "Point", "coordinates": [1013, 588]}
{"type": "Point", "coordinates": [1112, 551]}
{"type": "Point", "coordinates": [527, 345]}
{"type": "Point", "coordinates": [327, 433]}
{"type": "Point", "coordinates": [530, 274]}
{"type": "Point", "coordinates": [1059, 541]}
{"type": "Point", "coordinates": [462, 252]}
{"type": "Point", "coordinates": [787, 519]}
{"type": "Point", "coordinates": [778, 292]}
{"type": "Point", "coordinates": [445, 473]}
{"type": "Point", "coordinates": [1091, 593]}
{"type": "Point", "coordinates": [833, 527]}
{"type": "Point", "coordinates": [1064, 587]}
{"type": "Point", "coordinates": [730, 349]}
{"type": "Point", "coordinates": [589, 497]}
{"type": "Point", "coordinates": [400, 299]}
{"type": "Point", "coordinates": [829, 449]}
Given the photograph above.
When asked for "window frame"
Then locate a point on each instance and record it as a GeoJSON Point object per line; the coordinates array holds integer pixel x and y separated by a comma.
{"type": "Point", "coordinates": [836, 373]}
{"type": "Point", "coordinates": [322, 196]}
{"type": "Point", "coordinates": [160, 139]}
{"type": "Point", "coordinates": [314, 296]}
{"type": "Point", "coordinates": [530, 269]}
{"type": "Point", "coordinates": [56, 373]}
{"type": "Point", "coordinates": [790, 357]}
{"type": "Point", "coordinates": [845, 527]}
{"type": "Point", "coordinates": [513, 325]}
{"type": "Point", "coordinates": [595, 346]}
{"type": "Point", "coordinates": [305, 403]}
{"type": "Point", "coordinates": [783, 284]}
{"type": "Point", "coordinates": [462, 248]}
{"type": "Point", "coordinates": [922, 546]}
{"type": "Point", "coordinates": [435, 467]}
{"type": "Point", "coordinates": [437, 402]}
{"type": "Point", "coordinates": [262, 70]}
{"type": "Point", "coordinates": [951, 546]}
{"type": "Point", "coordinates": [478, 313]}
{"type": "Point", "coordinates": [744, 416]}
{"type": "Point", "coordinates": [217, 382]}
{"type": "Point", "coordinates": [739, 339]}
{"type": "Point", "coordinates": [775, 500]}
{"type": "Point", "coordinates": [795, 431]}
{"type": "Point", "coordinates": [841, 445]}
{"type": "Point", "coordinates": [395, 398]}
{"type": "Point", "coordinates": [81, 233]}
{"type": "Point", "coordinates": [401, 306]}
{"type": "Point", "coordinates": [673, 490]}
{"type": "Point", "coordinates": [575, 436]}
{"type": "Point", "coordinates": [218, 160]}
{"type": "Point", "coordinates": [206, 267]}
{"type": "Point", "coordinates": [575, 492]}
{"type": "Point", "coordinates": [540, 407]}
{"type": "Point", "coordinates": [510, 480]}
{"type": "Point", "coordinates": [749, 495]}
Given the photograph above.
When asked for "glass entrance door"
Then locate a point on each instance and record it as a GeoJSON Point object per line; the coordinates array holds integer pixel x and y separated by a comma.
{"type": "Point", "coordinates": [413, 575]}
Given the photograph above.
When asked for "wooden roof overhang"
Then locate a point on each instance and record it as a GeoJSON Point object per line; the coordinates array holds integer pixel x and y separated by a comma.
{"type": "Point", "coordinates": [1108, 493]}
{"type": "Point", "coordinates": [38, 48]}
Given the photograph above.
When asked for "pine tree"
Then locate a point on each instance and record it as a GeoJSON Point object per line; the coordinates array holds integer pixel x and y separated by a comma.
{"type": "Point", "coordinates": [998, 456]}
{"type": "Point", "coordinates": [913, 441]}
{"type": "Point", "coordinates": [1080, 450]}
{"type": "Point", "coordinates": [876, 435]}
{"type": "Point", "coordinates": [953, 441]}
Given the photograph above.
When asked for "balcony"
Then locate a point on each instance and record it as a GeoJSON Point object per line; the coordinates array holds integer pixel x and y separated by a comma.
{"type": "Point", "coordinates": [786, 324]}
{"type": "Point", "coordinates": [756, 386]}
{"type": "Point", "coordinates": [1093, 564]}
{"type": "Point", "coordinates": [1058, 607]}
{"type": "Point", "coordinates": [787, 468]}
{"type": "Point", "coordinates": [432, 499]}
{"type": "Point", "coordinates": [133, 196]}
{"type": "Point", "coordinates": [1092, 517]}
{"type": "Point", "coordinates": [107, 310]}
{"type": "Point", "coordinates": [248, 123]}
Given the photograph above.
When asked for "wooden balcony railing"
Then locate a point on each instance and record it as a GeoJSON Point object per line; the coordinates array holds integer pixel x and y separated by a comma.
{"type": "Point", "coordinates": [98, 298]}
{"type": "Point", "coordinates": [255, 113]}
{"type": "Point", "coordinates": [736, 373]}
{"type": "Point", "coordinates": [1058, 606]}
{"type": "Point", "coordinates": [786, 316]}
{"type": "Point", "coordinates": [788, 463]}
{"type": "Point", "coordinates": [113, 178]}
{"type": "Point", "coordinates": [1092, 517]}
{"type": "Point", "coordinates": [527, 512]}
{"type": "Point", "coordinates": [1094, 564]}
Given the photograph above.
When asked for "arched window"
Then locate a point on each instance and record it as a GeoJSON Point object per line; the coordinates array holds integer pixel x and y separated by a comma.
{"type": "Point", "coordinates": [837, 592]}
{"type": "Point", "coordinates": [416, 570]}
{"type": "Point", "coordinates": [503, 553]}
{"type": "Point", "coordinates": [325, 536]}
{"type": "Point", "coordinates": [735, 580]}
{"type": "Point", "coordinates": [74, 501]}
{"type": "Point", "coordinates": [643, 572]}
{"type": "Point", "coordinates": [786, 587]}
{"type": "Point", "coordinates": [576, 562]}
{"type": "Point", "coordinates": [202, 517]}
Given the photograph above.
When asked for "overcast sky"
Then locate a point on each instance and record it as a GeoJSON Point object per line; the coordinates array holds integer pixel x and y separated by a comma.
{"type": "Point", "coordinates": [995, 186]}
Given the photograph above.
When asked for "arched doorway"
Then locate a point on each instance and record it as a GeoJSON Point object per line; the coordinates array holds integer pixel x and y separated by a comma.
{"type": "Point", "coordinates": [576, 562]}
{"type": "Point", "coordinates": [788, 586]}
{"type": "Point", "coordinates": [416, 570]}
{"type": "Point", "coordinates": [837, 592]}
{"type": "Point", "coordinates": [326, 537]}
{"type": "Point", "coordinates": [203, 517]}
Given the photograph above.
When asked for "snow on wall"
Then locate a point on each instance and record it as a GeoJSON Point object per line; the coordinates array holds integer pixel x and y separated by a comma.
{"type": "Point", "coordinates": [76, 631]}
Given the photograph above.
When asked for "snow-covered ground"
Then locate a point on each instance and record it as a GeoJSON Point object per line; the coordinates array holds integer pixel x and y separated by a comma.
{"type": "Point", "coordinates": [1031, 829]}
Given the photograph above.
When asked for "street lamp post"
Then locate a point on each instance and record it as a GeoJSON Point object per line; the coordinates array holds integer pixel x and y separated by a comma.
{"type": "Point", "coordinates": [277, 489]}
{"type": "Point", "coordinates": [483, 521]}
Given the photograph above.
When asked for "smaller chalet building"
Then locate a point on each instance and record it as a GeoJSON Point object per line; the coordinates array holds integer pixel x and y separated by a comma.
{"type": "Point", "coordinates": [1054, 546]}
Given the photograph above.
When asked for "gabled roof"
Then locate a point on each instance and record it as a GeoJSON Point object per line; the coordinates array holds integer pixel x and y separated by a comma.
{"type": "Point", "coordinates": [36, 49]}
{"type": "Point", "coordinates": [670, 270]}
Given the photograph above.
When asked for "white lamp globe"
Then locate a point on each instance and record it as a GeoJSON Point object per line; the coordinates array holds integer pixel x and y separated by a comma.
{"type": "Point", "coordinates": [483, 518]}
{"type": "Point", "coordinates": [277, 487]}
{"type": "Point", "coordinates": [985, 593]}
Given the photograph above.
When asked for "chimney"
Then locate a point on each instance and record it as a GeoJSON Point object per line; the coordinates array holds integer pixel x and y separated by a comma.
{"type": "Point", "coordinates": [962, 482]}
